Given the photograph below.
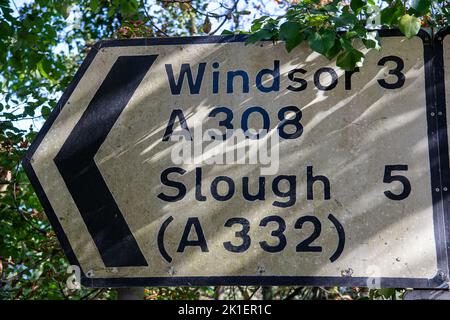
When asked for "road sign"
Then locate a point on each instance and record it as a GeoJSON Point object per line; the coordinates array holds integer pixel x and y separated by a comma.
{"type": "Point", "coordinates": [206, 161]}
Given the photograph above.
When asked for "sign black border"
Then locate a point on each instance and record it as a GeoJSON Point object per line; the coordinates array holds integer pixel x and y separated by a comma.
{"type": "Point", "coordinates": [440, 216]}
{"type": "Point", "coordinates": [440, 102]}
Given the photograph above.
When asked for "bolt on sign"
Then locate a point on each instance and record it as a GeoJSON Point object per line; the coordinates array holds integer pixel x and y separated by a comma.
{"type": "Point", "coordinates": [206, 161]}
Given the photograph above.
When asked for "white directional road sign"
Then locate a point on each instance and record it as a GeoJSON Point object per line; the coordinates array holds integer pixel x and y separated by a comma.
{"type": "Point", "coordinates": [206, 161]}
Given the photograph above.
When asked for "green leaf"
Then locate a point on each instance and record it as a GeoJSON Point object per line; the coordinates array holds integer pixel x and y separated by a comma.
{"type": "Point", "coordinates": [258, 23]}
{"type": "Point", "coordinates": [94, 5]}
{"type": "Point", "coordinates": [243, 12]}
{"type": "Point", "coordinates": [334, 50]}
{"type": "Point", "coordinates": [356, 5]}
{"type": "Point", "coordinates": [346, 44]}
{"type": "Point", "coordinates": [345, 20]}
{"type": "Point", "coordinates": [227, 33]}
{"type": "Point", "coordinates": [29, 111]}
{"type": "Point", "coordinates": [390, 15]}
{"type": "Point", "coordinates": [5, 30]}
{"type": "Point", "coordinates": [350, 59]}
{"type": "Point", "coordinates": [409, 25]}
{"type": "Point", "coordinates": [322, 41]}
{"type": "Point", "coordinates": [64, 9]}
{"type": "Point", "coordinates": [41, 69]}
{"type": "Point", "coordinates": [290, 32]}
{"type": "Point", "coordinates": [256, 26]}
{"type": "Point", "coordinates": [420, 7]}
{"type": "Point", "coordinates": [350, 34]}
{"type": "Point", "coordinates": [263, 34]}
{"type": "Point", "coordinates": [45, 111]}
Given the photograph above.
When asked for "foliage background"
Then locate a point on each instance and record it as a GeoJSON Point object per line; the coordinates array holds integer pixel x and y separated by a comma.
{"type": "Point", "coordinates": [42, 43]}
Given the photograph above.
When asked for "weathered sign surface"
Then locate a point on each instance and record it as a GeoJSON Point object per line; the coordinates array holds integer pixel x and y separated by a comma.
{"type": "Point", "coordinates": [202, 161]}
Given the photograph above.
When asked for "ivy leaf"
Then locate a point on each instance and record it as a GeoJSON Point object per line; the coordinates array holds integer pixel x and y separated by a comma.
{"type": "Point", "coordinates": [409, 25]}
{"type": "Point", "coordinates": [290, 32]}
{"type": "Point", "coordinates": [350, 59]}
{"type": "Point", "coordinates": [356, 5]}
{"type": "Point", "coordinates": [322, 41]}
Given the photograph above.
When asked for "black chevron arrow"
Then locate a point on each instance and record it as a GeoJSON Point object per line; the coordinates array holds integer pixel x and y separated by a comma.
{"type": "Point", "coordinates": [75, 162]}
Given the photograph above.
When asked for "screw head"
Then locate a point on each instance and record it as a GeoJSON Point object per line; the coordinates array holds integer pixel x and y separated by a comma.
{"type": "Point", "coordinates": [90, 273]}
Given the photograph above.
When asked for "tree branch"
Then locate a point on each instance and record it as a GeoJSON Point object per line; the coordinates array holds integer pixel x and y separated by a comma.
{"type": "Point", "coordinates": [150, 20]}
{"type": "Point", "coordinates": [227, 16]}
